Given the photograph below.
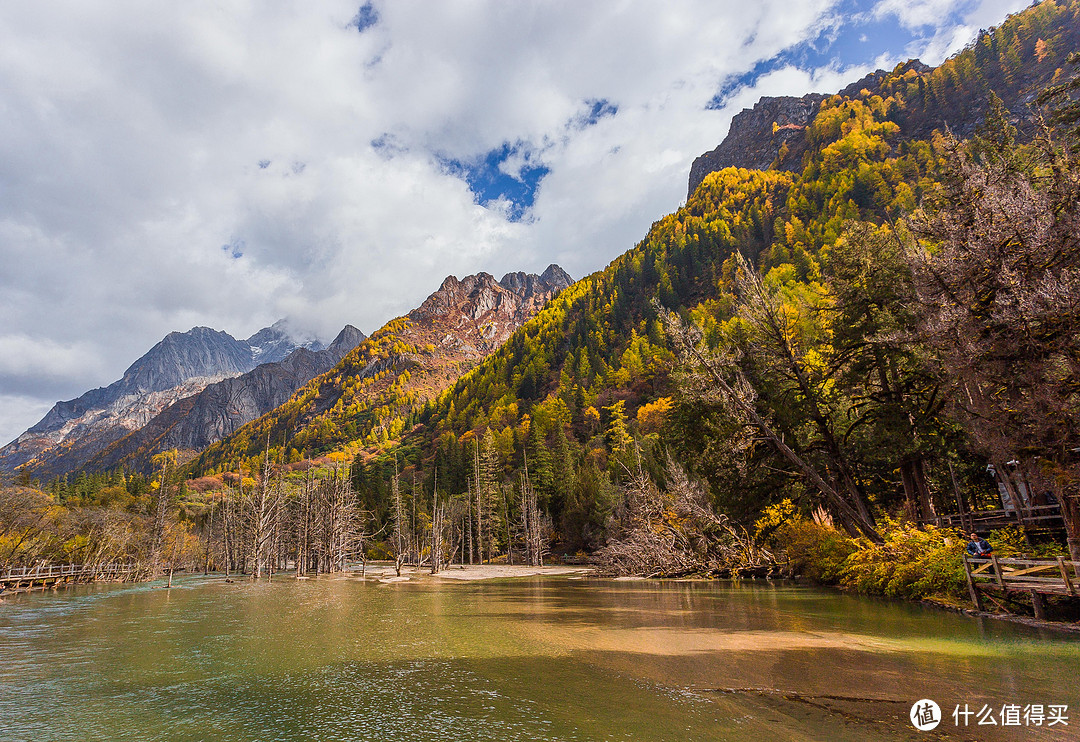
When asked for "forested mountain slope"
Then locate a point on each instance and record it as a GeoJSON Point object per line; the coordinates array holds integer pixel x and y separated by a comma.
{"type": "Point", "coordinates": [569, 391]}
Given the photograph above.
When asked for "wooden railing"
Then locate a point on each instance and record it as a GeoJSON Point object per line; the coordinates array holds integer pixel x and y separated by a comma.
{"type": "Point", "coordinates": [64, 572]}
{"type": "Point", "coordinates": [1035, 515]}
{"type": "Point", "coordinates": [1038, 577]}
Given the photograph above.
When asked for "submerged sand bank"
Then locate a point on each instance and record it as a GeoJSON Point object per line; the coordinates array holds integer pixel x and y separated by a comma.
{"type": "Point", "coordinates": [385, 572]}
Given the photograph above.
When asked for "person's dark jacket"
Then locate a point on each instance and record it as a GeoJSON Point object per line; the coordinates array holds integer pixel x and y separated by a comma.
{"type": "Point", "coordinates": [980, 548]}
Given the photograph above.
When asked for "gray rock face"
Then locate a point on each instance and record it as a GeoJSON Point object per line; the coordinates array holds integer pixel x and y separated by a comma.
{"type": "Point", "coordinates": [195, 422]}
{"type": "Point", "coordinates": [199, 352]}
{"type": "Point", "coordinates": [181, 365]}
{"type": "Point", "coordinates": [555, 278]}
{"type": "Point", "coordinates": [346, 340]}
{"type": "Point", "coordinates": [754, 143]}
{"type": "Point", "coordinates": [526, 285]}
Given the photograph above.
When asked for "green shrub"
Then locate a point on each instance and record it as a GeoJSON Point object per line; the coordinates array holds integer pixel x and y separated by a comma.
{"type": "Point", "coordinates": [912, 563]}
{"type": "Point", "coordinates": [814, 550]}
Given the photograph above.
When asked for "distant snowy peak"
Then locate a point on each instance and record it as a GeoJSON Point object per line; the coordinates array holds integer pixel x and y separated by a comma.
{"type": "Point", "coordinates": [272, 344]}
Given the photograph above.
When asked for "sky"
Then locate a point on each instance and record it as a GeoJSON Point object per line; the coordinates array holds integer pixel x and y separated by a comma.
{"type": "Point", "coordinates": [165, 165]}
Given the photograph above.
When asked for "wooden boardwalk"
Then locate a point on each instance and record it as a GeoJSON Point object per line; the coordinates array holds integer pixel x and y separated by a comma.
{"type": "Point", "coordinates": [1037, 577]}
{"type": "Point", "coordinates": [1036, 516]}
{"type": "Point", "coordinates": [55, 574]}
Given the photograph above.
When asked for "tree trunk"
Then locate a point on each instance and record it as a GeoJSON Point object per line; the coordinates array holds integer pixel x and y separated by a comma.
{"type": "Point", "coordinates": [1070, 513]}
{"type": "Point", "coordinates": [911, 497]}
{"type": "Point", "coordinates": [926, 501]}
{"type": "Point", "coordinates": [917, 500]}
{"type": "Point", "coordinates": [1007, 481]}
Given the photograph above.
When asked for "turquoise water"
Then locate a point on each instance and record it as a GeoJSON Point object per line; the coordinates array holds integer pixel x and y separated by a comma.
{"type": "Point", "coordinates": [546, 658]}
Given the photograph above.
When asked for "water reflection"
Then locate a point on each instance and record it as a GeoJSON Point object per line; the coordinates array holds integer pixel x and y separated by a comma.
{"type": "Point", "coordinates": [542, 658]}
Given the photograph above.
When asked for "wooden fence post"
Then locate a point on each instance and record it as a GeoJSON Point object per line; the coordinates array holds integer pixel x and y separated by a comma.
{"type": "Point", "coordinates": [1065, 576]}
{"type": "Point", "coordinates": [997, 571]}
{"type": "Point", "coordinates": [975, 597]}
{"type": "Point", "coordinates": [1038, 605]}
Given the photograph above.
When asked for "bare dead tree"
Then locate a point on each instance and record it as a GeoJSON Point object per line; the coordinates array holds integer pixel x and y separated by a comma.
{"type": "Point", "coordinates": [481, 498]}
{"type": "Point", "coordinates": [208, 539]}
{"type": "Point", "coordinates": [437, 536]}
{"type": "Point", "coordinates": [468, 516]}
{"type": "Point", "coordinates": [265, 505]}
{"type": "Point", "coordinates": [398, 515]}
{"type": "Point", "coordinates": [505, 495]}
{"type": "Point", "coordinates": [303, 526]}
{"type": "Point", "coordinates": [675, 532]}
{"type": "Point", "coordinates": [161, 515]}
{"type": "Point", "coordinates": [532, 523]}
{"type": "Point", "coordinates": [228, 528]}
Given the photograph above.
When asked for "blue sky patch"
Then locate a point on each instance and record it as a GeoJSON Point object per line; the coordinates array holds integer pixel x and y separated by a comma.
{"type": "Point", "coordinates": [597, 109]}
{"type": "Point", "coordinates": [510, 173]}
{"type": "Point", "coordinates": [365, 18]}
{"type": "Point", "coordinates": [856, 38]}
{"type": "Point", "coordinates": [234, 249]}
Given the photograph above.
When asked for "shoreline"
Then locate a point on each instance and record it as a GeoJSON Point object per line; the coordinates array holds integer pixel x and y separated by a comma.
{"type": "Point", "coordinates": [1029, 621]}
{"type": "Point", "coordinates": [384, 572]}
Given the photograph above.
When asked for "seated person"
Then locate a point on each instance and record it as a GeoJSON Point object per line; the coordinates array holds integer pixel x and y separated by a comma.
{"type": "Point", "coordinates": [979, 547]}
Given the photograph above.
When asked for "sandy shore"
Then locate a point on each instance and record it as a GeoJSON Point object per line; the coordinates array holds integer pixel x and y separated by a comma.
{"type": "Point", "coordinates": [384, 572]}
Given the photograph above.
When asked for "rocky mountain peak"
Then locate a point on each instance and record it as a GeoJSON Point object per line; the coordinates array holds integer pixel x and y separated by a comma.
{"type": "Point", "coordinates": [480, 294]}
{"type": "Point", "coordinates": [516, 282]}
{"type": "Point", "coordinates": [196, 421]}
{"type": "Point", "coordinates": [556, 278]}
{"type": "Point", "coordinates": [772, 134]}
{"type": "Point", "coordinates": [201, 351]}
{"type": "Point", "coordinates": [346, 340]}
{"type": "Point", "coordinates": [181, 365]}
{"type": "Point", "coordinates": [757, 135]}
{"type": "Point", "coordinates": [452, 330]}
{"type": "Point", "coordinates": [523, 284]}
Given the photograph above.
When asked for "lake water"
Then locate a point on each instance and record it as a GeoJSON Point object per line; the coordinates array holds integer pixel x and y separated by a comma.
{"type": "Point", "coordinates": [543, 658]}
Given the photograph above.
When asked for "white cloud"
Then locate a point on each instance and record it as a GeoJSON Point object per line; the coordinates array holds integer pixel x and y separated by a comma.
{"type": "Point", "coordinates": [948, 25]}
{"type": "Point", "coordinates": [27, 364]}
{"type": "Point", "coordinates": [915, 14]}
{"type": "Point", "coordinates": [137, 139]}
